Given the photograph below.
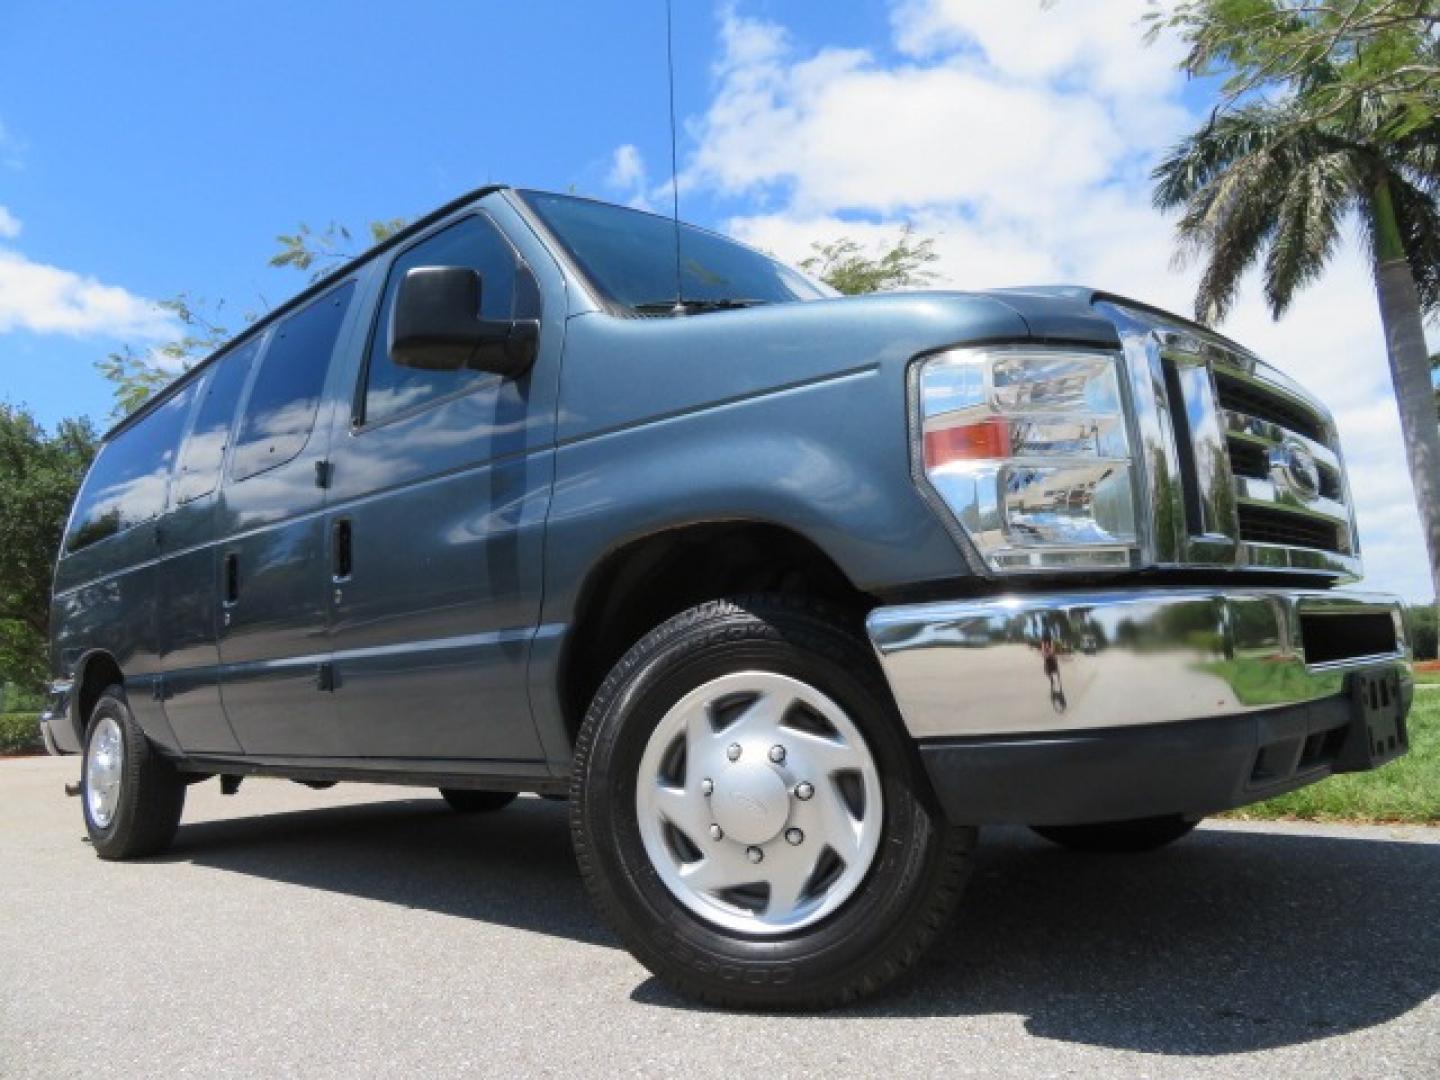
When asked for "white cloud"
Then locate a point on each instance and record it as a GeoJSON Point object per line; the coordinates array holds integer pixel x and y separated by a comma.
{"type": "Point", "coordinates": [628, 167]}
{"type": "Point", "coordinates": [1021, 138]}
{"type": "Point", "coordinates": [9, 224]}
{"type": "Point", "coordinates": [48, 300]}
{"type": "Point", "coordinates": [1094, 44]}
{"type": "Point", "coordinates": [629, 175]}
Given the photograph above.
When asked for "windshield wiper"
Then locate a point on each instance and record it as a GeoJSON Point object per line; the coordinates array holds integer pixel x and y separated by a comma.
{"type": "Point", "coordinates": [690, 307]}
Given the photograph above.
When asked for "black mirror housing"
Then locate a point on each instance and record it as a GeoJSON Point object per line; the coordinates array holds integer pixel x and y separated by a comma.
{"type": "Point", "coordinates": [435, 325]}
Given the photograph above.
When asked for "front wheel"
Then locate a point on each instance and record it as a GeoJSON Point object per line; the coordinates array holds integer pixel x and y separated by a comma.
{"type": "Point", "coordinates": [1120, 837]}
{"type": "Point", "coordinates": [131, 796]}
{"type": "Point", "coordinates": [750, 815]}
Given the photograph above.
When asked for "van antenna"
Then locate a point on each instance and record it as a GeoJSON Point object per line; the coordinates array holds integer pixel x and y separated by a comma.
{"type": "Point", "coordinates": [674, 167]}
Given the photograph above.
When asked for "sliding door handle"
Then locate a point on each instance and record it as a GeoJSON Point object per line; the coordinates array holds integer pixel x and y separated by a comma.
{"type": "Point", "coordinates": [342, 557]}
{"type": "Point", "coordinates": [231, 588]}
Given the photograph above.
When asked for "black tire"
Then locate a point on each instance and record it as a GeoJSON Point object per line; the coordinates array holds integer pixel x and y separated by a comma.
{"type": "Point", "coordinates": [465, 801]}
{"type": "Point", "coordinates": [906, 898]}
{"type": "Point", "coordinates": [1120, 837]}
{"type": "Point", "coordinates": [151, 792]}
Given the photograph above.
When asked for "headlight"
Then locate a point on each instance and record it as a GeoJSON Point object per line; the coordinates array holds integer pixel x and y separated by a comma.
{"type": "Point", "coordinates": [1027, 446]}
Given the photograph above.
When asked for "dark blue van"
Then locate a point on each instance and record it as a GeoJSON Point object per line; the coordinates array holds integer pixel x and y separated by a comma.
{"type": "Point", "coordinates": [787, 592]}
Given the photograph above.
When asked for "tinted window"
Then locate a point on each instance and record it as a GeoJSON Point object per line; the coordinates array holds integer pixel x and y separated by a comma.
{"type": "Point", "coordinates": [630, 256]}
{"type": "Point", "coordinates": [204, 449]}
{"type": "Point", "coordinates": [281, 410]}
{"type": "Point", "coordinates": [126, 485]}
{"type": "Point", "coordinates": [476, 243]}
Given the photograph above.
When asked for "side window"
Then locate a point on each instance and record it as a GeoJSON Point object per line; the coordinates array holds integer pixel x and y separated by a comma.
{"type": "Point", "coordinates": [281, 410]}
{"type": "Point", "coordinates": [201, 456]}
{"type": "Point", "coordinates": [126, 485]}
{"type": "Point", "coordinates": [507, 291]}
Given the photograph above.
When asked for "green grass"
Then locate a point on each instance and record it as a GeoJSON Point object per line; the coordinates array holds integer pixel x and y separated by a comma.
{"type": "Point", "coordinates": [20, 733]}
{"type": "Point", "coordinates": [1430, 678]}
{"type": "Point", "coordinates": [1407, 790]}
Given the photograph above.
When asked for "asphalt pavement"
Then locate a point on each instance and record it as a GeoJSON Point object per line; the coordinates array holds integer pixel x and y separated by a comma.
{"type": "Point", "coordinates": [372, 931]}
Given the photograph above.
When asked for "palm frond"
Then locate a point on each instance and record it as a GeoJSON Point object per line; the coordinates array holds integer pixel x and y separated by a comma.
{"type": "Point", "coordinates": [1232, 178]}
{"type": "Point", "coordinates": [1307, 226]}
{"type": "Point", "coordinates": [1196, 162]}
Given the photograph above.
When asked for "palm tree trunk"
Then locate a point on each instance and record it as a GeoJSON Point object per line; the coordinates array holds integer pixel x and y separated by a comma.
{"type": "Point", "coordinates": [1409, 371]}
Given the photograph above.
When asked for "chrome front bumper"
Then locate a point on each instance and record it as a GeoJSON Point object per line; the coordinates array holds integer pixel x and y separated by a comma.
{"type": "Point", "coordinates": [1086, 661]}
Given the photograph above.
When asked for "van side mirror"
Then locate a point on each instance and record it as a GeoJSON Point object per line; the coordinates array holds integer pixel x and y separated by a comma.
{"type": "Point", "coordinates": [435, 325]}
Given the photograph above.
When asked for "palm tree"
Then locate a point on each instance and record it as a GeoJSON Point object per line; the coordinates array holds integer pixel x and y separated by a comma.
{"type": "Point", "coordinates": [1280, 181]}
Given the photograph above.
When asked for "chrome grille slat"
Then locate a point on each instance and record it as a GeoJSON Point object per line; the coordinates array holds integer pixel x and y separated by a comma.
{"type": "Point", "coordinates": [1265, 523]}
{"type": "Point", "coordinates": [1243, 426]}
{"type": "Point", "coordinates": [1265, 493]}
{"type": "Point", "coordinates": [1247, 392]}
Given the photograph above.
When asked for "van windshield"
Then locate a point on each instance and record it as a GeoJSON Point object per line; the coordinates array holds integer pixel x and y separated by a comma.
{"type": "Point", "coordinates": [629, 256]}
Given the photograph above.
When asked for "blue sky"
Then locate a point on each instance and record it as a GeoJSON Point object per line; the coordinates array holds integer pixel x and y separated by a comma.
{"type": "Point", "coordinates": [152, 147]}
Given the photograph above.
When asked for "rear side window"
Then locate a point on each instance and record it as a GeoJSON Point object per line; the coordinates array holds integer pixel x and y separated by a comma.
{"type": "Point", "coordinates": [281, 410]}
{"type": "Point", "coordinates": [203, 453]}
{"type": "Point", "coordinates": [126, 485]}
{"type": "Point", "coordinates": [507, 291]}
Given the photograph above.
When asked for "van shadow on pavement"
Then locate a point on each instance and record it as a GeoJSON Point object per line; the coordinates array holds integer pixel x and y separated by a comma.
{"type": "Point", "coordinates": [1226, 942]}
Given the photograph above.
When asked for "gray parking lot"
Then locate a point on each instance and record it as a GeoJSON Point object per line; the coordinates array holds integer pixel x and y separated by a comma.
{"type": "Point", "coordinates": [372, 930]}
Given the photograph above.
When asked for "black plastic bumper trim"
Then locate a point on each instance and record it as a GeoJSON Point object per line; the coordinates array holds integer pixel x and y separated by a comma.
{"type": "Point", "coordinates": [1193, 768]}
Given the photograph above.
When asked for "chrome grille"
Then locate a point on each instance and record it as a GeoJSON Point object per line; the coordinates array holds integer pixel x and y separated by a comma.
{"type": "Point", "coordinates": [1265, 427]}
{"type": "Point", "coordinates": [1240, 464]}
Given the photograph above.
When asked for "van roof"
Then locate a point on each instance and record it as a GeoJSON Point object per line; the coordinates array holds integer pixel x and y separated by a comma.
{"type": "Point", "coordinates": [298, 300]}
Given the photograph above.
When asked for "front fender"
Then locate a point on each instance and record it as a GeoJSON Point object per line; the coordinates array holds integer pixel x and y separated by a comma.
{"type": "Point", "coordinates": [827, 459]}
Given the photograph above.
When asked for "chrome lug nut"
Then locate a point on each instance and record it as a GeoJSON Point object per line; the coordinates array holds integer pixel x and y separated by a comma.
{"type": "Point", "coordinates": [754, 854]}
{"type": "Point", "coordinates": [777, 753]}
{"type": "Point", "coordinates": [804, 790]}
{"type": "Point", "coordinates": [707, 786]}
{"type": "Point", "coordinates": [717, 833]}
{"type": "Point", "coordinates": [795, 836]}
{"type": "Point", "coordinates": [733, 752]}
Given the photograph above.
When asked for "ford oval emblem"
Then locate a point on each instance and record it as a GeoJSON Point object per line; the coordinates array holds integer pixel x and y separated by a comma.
{"type": "Point", "coordinates": [1294, 469]}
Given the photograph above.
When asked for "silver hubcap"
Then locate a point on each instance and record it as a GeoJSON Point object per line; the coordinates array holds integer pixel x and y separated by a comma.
{"type": "Point", "coordinates": [103, 766]}
{"type": "Point", "coordinates": [759, 803]}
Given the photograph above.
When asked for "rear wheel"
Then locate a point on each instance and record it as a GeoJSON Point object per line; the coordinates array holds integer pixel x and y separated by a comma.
{"type": "Point", "coordinates": [1119, 837]}
{"type": "Point", "coordinates": [749, 813]}
{"type": "Point", "coordinates": [131, 796]}
{"type": "Point", "coordinates": [477, 802]}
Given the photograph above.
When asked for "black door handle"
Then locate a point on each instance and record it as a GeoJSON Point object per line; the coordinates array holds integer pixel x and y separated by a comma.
{"type": "Point", "coordinates": [342, 562]}
{"type": "Point", "coordinates": [232, 578]}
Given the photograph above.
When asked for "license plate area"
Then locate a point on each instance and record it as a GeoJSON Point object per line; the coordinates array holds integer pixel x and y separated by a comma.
{"type": "Point", "coordinates": [1378, 730]}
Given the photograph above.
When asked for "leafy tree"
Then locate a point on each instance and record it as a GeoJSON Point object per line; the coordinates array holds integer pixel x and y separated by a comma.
{"type": "Point", "coordinates": [1277, 176]}
{"type": "Point", "coordinates": [39, 474]}
{"type": "Point", "coordinates": [139, 374]}
{"type": "Point", "coordinates": [321, 252]}
{"type": "Point", "coordinates": [1422, 627]}
{"type": "Point", "coordinates": [1338, 52]}
{"type": "Point", "coordinates": [844, 265]}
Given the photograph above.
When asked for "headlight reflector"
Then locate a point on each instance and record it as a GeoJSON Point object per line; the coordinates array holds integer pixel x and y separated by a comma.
{"type": "Point", "coordinates": [1027, 446]}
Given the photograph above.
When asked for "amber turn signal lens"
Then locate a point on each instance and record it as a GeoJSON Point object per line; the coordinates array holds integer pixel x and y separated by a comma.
{"type": "Point", "coordinates": [987, 440]}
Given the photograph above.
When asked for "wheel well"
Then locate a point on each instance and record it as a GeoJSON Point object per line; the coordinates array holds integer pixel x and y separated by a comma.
{"type": "Point", "coordinates": [99, 672]}
{"type": "Point", "coordinates": [642, 584]}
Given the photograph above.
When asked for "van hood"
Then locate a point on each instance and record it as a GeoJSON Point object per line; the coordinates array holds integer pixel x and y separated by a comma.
{"type": "Point", "coordinates": [622, 371]}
